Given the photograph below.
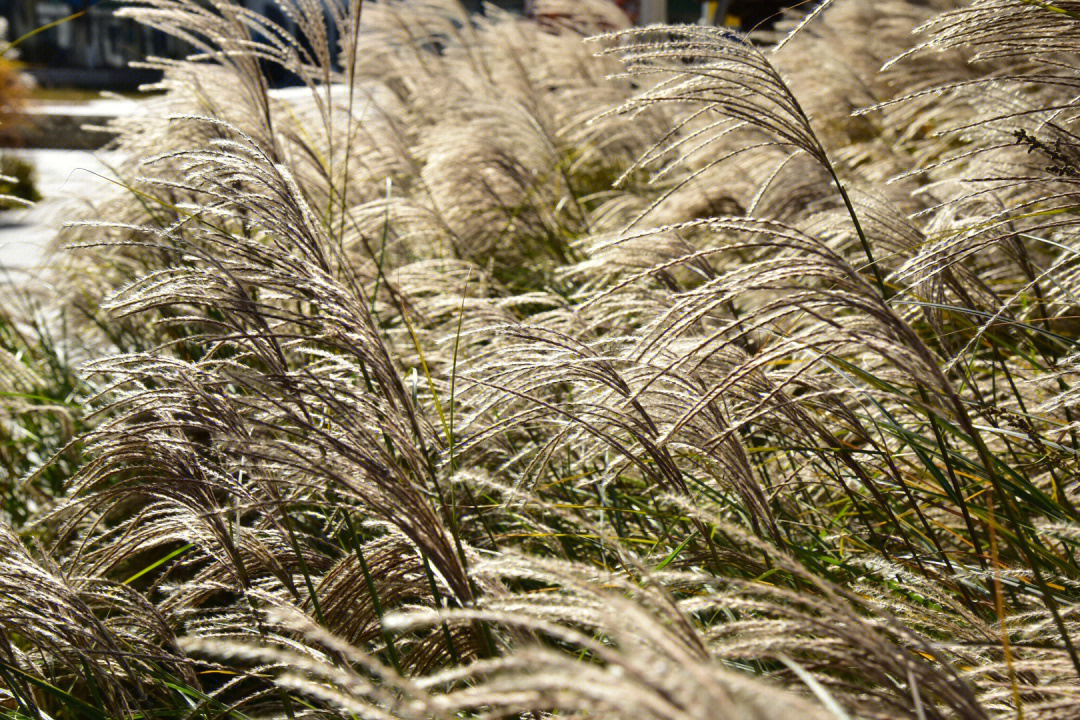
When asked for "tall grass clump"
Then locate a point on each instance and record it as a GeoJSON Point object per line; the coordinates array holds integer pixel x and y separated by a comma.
{"type": "Point", "coordinates": [491, 372]}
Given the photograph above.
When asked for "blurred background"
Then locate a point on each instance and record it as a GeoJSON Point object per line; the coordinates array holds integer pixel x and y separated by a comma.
{"type": "Point", "coordinates": [58, 57]}
{"type": "Point", "coordinates": [86, 46]}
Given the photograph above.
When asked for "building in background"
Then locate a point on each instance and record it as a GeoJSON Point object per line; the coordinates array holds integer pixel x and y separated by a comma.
{"type": "Point", "coordinates": [743, 14]}
{"type": "Point", "coordinates": [95, 47]}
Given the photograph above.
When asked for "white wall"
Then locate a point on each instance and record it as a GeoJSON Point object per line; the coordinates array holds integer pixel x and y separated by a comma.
{"type": "Point", "coordinates": [653, 11]}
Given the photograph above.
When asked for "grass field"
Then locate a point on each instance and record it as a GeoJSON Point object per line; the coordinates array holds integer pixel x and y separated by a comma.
{"type": "Point", "coordinates": [506, 373]}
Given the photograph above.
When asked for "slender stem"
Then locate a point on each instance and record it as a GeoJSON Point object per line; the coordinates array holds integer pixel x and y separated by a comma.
{"type": "Point", "coordinates": [391, 648]}
{"type": "Point", "coordinates": [885, 292]}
